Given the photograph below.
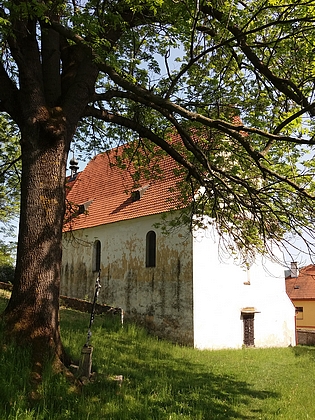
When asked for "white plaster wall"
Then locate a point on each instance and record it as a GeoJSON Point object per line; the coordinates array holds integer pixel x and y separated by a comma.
{"type": "Point", "coordinates": [160, 296]}
{"type": "Point", "coordinates": [221, 290]}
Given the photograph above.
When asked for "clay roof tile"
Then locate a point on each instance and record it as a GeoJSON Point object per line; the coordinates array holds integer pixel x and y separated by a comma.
{"type": "Point", "coordinates": [303, 286]}
{"type": "Point", "coordinates": [108, 191]}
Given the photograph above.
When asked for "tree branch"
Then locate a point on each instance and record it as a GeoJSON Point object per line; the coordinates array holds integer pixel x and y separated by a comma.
{"type": "Point", "coordinates": [144, 133]}
{"type": "Point", "coordinates": [283, 85]}
{"type": "Point", "coordinates": [148, 98]}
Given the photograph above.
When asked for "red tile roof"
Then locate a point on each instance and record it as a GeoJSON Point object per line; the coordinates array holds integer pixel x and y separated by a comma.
{"type": "Point", "coordinates": [303, 286]}
{"type": "Point", "coordinates": [109, 190]}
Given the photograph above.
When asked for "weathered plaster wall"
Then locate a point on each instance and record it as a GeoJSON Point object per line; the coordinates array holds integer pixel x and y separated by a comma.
{"type": "Point", "coordinates": [222, 289]}
{"type": "Point", "coordinates": [160, 297]}
{"type": "Point", "coordinates": [191, 301]}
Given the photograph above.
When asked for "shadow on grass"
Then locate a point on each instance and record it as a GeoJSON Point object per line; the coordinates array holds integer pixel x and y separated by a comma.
{"type": "Point", "coordinates": [305, 351]}
{"type": "Point", "coordinates": [185, 394]}
{"type": "Point", "coordinates": [159, 384]}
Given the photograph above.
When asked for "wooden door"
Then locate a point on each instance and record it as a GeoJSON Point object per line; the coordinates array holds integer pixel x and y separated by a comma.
{"type": "Point", "coordinates": [249, 339]}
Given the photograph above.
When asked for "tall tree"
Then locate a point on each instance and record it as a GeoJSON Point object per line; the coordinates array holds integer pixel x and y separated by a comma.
{"type": "Point", "coordinates": [240, 98]}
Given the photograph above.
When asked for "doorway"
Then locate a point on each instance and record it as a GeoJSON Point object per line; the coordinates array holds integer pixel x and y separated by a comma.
{"type": "Point", "coordinates": [249, 337]}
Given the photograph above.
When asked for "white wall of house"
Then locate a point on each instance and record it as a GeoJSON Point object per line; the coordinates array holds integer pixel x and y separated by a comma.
{"type": "Point", "coordinates": [160, 296]}
{"type": "Point", "coordinates": [222, 289]}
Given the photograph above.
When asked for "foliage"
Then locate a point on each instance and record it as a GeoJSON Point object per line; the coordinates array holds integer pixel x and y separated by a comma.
{"type": "Point", "coordinates": [160, 380]}
{"type": "Point", "coordinates": [234, 80]}
{"type": "Point", "coordinates": [7, 273]}
{"type": "Point", "coordinates": [6, 262]}
{"type": "Point", "coordinates": [10, 171]}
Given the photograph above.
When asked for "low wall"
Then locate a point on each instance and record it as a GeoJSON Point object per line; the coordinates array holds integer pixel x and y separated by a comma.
{"type": "Point", "coordinates": [79, 304]}
{"type": "Point", "coordinates": [5, 286]}
{"type": "Point", "coordinates": [85, 306]}
{"type": "Point", "coordinates": [306, 337]}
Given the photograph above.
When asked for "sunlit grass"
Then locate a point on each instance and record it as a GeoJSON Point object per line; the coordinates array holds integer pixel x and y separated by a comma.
{"type": "Point", "coordinates": [161, 380]}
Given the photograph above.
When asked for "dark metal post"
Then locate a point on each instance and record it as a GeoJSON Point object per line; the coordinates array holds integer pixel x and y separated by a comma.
{"type": "Point", "coordinates": [86, 353]}
{"type": "Point", "coordinates": [96, 293]}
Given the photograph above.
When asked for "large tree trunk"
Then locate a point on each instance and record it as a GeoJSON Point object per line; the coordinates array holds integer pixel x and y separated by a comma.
{"type": "Point", "coordinates": [56, 82]}
{"type": "Point", "coordinates": [32, 314]}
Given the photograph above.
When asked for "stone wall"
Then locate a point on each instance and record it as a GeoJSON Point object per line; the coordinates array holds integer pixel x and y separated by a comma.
{"type": "Point", "coordinates": [79, 304]}
{"type": "Point", "coordinates": [306, 337]}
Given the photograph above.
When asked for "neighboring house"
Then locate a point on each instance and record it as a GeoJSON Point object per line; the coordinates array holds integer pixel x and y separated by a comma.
{"type": "Point", "coordinates": [300, 287]}
{"type": "Point", "coordinates": [177, 285]}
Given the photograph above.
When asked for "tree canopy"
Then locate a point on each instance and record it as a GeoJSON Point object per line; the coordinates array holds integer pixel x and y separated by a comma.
{"type": "Point", "coordinates": [241, 98]}
{"type": "Point", "coordinates": [235, 80]}
{"type": "Point", "coordinates": [240, 95]}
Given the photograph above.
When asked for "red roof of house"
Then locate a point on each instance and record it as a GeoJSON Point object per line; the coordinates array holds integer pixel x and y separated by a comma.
{"type": "Point", "coordinates": [303, 286]}
{"type": "Point", "coordinates": [107, 190]}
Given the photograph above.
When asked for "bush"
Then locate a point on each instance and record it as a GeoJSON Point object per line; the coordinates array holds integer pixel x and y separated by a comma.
{"type": "Point", "coordinates": [6, 273]}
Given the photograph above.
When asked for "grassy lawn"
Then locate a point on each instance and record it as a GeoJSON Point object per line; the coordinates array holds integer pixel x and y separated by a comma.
{"type": "Point", "coordinates": [161, 380]}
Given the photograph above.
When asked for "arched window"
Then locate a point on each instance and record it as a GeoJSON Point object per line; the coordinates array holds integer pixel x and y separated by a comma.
{"type": "Point", "coordinates": [96, 262]}
{"type": "Point", "coordinates": [150, 259]}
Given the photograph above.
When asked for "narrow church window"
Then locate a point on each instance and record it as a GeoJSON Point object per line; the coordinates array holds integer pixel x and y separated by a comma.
{"type": "Point", "coordinates": [151, 249]}
{"type": "Point", "coordinates": [96, 263]}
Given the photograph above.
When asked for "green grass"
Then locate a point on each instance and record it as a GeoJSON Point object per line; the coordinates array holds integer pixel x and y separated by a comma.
{"type": "Point", "coordinates": [161, 380]}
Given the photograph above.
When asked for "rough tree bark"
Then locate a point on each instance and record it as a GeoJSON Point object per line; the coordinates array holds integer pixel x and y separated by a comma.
{"type": "Point", "coordinates": [32, 312]}
{"type": "Point", "coordinates": [47, 105]}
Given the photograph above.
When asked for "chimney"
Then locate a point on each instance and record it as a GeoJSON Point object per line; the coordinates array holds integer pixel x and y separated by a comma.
{"type": "Point", "coordinates": [138, 193]}
{"type": "Point", "coordinates": [294, 270]}
{"type": "Point", "coordinates": [74, 168]}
